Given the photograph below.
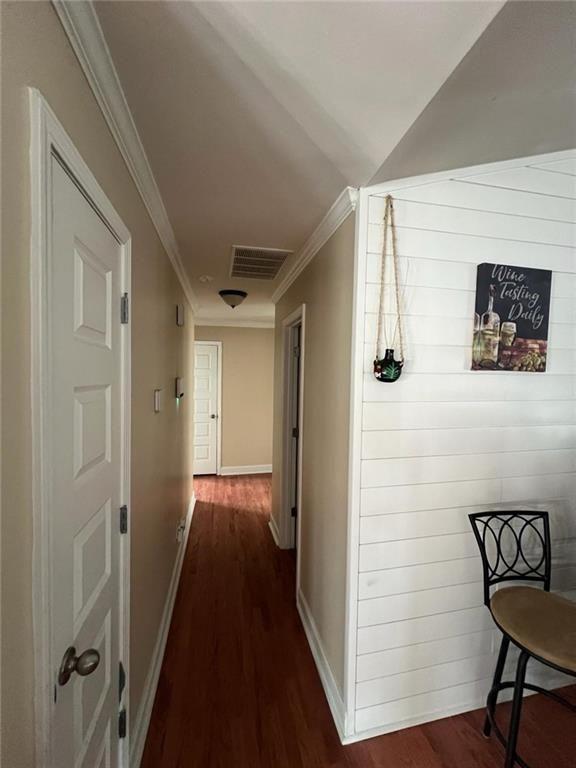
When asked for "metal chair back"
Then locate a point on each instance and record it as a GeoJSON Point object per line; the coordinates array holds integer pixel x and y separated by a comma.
{"type": "Point", "coordinates": [514, 546]}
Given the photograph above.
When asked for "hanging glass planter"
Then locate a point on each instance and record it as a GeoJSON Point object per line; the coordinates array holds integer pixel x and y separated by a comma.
{"type": "Point", "coordinates": [387, 368]}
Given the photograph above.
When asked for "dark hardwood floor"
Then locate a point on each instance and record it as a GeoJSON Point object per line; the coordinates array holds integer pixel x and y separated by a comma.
{"type": "Point", "coordinates": [239, 688]}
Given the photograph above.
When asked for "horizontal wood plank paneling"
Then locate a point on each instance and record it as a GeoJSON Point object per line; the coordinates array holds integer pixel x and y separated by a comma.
{"type": "Point", "coordinates": [447, 246]}
{"type": "Point", "coordinates": [432, 678]}
{"type": "Point", "coordinates": [398, 581]}
{"type": "Point", "coordinates": [463, 221]}
{"type": "Point", "coordinates": [424, 415]}
{"type": "Point", "coordinates": [419, 272]}
{"type": "Point", "coordinates": [421, 655]}
{"type": "Point", "coordinates": [536, 180]}
{"type": "Point", "coordinates": [430, 469]}
{"type": "Point", "coordinates": [471, 386]}
{"type": "Point", "coordinates": [422, 358]}
{"type": "Point", "coordinates": [445, 441]}
{"type": "Point", "coordinates": [442, 442]}
{"type": "Point", "coordinates": [414, 605]}
{"type": "Point", "coordinates": [450, 302]}
{"type": "Point", "coordinates": [424, 706]}
{"type": "Point", "coordinates": [433, 549]}
{"type": "Point", "coordinates": [461, 493]}
{"type": "Point", "coordinates": [380, 637]}
{"type": "Point", "coordinates": [475, 197]}
{"type": "Point", "coordinates": [457, 331]}
{"type": "Point", "coordinates": [567, 165]}
{"type": "Point", "coordinates": [390, 525]}
{"type": "Point", "coordinates": [412, 578]}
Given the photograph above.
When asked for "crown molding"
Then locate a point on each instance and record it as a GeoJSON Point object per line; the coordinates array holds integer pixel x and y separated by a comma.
{"type": "Point", "coordinates": [216, 322]}
{"type": "Point", "coordinates": [345, 204]}
{"type": "Point", "coordinates": [85, 34]}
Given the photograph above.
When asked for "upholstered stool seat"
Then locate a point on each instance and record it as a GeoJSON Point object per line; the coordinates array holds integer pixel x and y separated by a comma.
{"type": "Point", "coordinates": [542, 623]}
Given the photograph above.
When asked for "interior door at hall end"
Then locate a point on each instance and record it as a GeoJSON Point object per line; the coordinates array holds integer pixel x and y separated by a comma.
{"type": "Point", "coordinates": [205, 408]}
{"type": "Point", "coordinates": [84, 448]}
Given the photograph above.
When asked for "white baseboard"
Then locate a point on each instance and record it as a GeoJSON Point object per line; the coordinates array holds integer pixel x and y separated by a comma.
{"type": "Point", "coordinates": [333, 695]}
{"type": "Point", "coordinates": [274, 531]}
{"type": "Point", "coordinates": [142, 720]}
{"type": "Point", "coordinates": [253, 469]}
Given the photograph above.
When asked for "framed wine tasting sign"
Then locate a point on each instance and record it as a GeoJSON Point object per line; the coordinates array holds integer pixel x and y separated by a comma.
{"type": "Point", "coordinates": [511, 318]}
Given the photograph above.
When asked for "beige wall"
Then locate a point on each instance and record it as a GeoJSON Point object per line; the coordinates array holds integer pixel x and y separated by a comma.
{"type": "Point", "coordinates": [247, 378]}
{"type": "Point", "coordinates": [326, 287]}
{"type": "Point", "coordinates": [35, 52]}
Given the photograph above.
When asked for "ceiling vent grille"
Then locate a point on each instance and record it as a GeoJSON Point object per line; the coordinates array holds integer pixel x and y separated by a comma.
{"type": "Point", "coordinates": [257, 263]}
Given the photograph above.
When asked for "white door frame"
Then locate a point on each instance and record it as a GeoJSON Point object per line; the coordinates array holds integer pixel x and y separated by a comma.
{"type": "Point", "coordinates": [218, 344]}
{"type": "Point", "coordinates": [48, 137]}
{"type": "Point", "coordinates": [298, 316]}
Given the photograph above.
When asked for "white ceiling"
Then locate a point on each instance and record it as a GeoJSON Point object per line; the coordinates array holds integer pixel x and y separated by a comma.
{"type": "Point", "coordinates": [256, 115]}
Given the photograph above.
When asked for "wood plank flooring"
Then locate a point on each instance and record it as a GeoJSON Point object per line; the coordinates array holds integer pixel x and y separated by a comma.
{"type": "Point", "coordinates": [239, 688]}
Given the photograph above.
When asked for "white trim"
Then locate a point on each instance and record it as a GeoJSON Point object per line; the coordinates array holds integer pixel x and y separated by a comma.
{"type": "Point", "coordinates": [47, 136]}
{"type": "Point", "coordinates": [219, 358]}
{"type": "Point", "coordinates": [354, 461]}
{"type": "Point", "coordinates": [274, 531]}
{"type": "Point", "coordinates": [326, 677]}
{"type": "Point", "coordinates": [473, 170]}
{"type": "Point", "coordinates": [142, 719]}
{"type": "Point", "coordinates": [344, 205]}
{"type": "Point", "coordinates": [250, 469]}
{"type": "Point", "coordinates": [217, 323]}
{"type": "Point", "coordinates": [285, 527]}
{"type": "Point", "coordinates": [83, 29]}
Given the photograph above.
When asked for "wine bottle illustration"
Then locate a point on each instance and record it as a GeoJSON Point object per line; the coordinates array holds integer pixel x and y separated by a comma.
{"type": "Point", "coordinates": [490, 333]}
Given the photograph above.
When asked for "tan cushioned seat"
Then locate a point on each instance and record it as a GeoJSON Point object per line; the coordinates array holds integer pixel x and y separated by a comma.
{"type": "Point", "coordinates": [541, 622]}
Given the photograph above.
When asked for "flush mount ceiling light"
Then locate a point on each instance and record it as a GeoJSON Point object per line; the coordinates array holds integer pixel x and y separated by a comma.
{"type": "Point", "coordinates": [232, 298]}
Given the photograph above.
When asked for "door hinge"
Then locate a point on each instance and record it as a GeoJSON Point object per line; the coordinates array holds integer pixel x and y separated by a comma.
{"type": "Point", "coordinates": [122, 725]}
{"type": "Point", "coordinates": [124, 519]}
{"type": "Point", "coordinates": [121, 680]}
{"type": "Point", "coordinates": [124, 308]}
{"type": "Point", "coordinates": [296, 351]}
{"type": "Point", "coordinates": [295, 432]}
{"type": "Point", "coordinates": [293, 511]}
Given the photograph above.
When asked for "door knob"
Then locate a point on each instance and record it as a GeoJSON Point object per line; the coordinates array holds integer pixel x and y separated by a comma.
{"type": "Point", "coordinates": [212, 415]}
{"type": "Point", "coordinates": [84, 664]}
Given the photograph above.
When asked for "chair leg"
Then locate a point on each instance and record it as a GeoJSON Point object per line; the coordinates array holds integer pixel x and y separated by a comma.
{"type": "Point", "coordinates": [493, 695]}
{"type": "Point", "coordinates": [516, 710]}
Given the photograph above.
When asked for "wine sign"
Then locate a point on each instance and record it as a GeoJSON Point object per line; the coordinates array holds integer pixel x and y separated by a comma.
{"type": "Point", "coordinates": [511, 318]}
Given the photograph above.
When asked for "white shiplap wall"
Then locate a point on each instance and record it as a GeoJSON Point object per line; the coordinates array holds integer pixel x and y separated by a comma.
{"type": "Point", "coordinates": [445, 441]}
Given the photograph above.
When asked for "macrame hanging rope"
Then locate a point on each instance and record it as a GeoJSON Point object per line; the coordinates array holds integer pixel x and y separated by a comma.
{"type": "Point", "coordinates": [388, 369]}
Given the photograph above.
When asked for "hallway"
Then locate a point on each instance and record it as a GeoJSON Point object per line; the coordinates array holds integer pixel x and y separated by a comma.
{"type": "Point", "coordinates": [239, 688]}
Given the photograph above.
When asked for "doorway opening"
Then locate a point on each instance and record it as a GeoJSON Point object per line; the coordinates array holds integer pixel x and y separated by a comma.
{"type": "Point", "coordinates": [293, 345]}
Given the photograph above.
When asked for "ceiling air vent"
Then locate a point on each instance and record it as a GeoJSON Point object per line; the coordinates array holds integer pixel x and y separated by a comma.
{"type": "Point", "coordinates": [257, 263]}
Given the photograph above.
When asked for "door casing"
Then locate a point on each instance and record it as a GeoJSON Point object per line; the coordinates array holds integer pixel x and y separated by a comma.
{"type": "Point", "coordinates": [48, 137]}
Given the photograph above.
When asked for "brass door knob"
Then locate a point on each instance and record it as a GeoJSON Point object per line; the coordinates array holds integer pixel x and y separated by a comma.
{"type": "Point", "coordinates": [84, 664]}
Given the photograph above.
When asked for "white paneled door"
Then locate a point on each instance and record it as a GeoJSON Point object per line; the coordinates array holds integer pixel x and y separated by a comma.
{"type": "Point", "coordinates": [206, 404]}
{"type": "Point", "coordinates": [84, 445]}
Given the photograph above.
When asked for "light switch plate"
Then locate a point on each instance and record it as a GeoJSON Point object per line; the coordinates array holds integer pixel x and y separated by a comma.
{"type": "Point", "coordinates": [157, 400]}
